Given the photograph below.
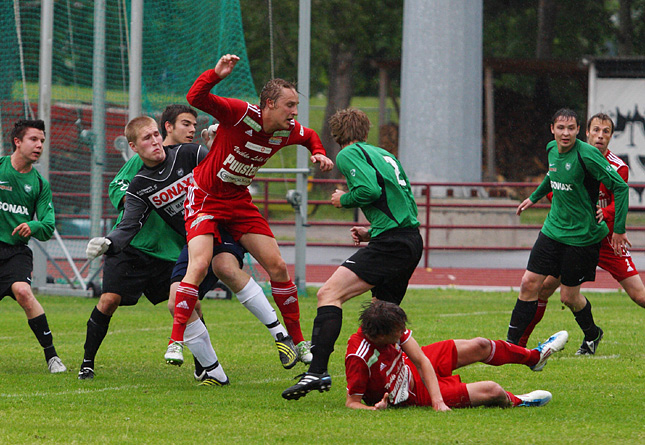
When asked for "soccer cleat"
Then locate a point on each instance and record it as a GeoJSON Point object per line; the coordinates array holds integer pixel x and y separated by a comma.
{"type": "Point", "coordinates": [553, 344]}
{"type": "Point", "coordinates": [589, 347]}
{"type": "Point", "coordinates": [535, 398]}
{"type": "Point", "coordinates": [55, 365]}
{"type": "Point", "coordinates": [307, 383]}
{"type": "Point", "coordinates": [199, 377]}
{"type": "Point", "coordinates": [287, 351]}
{"type": "Point", "coordinates": [304, 352]}
{"type": "Point", "coordinates": [212, 381]}
{"type": "Point", "coordinates": [86, 374]}
{"type": "Point", "coordinates": [175, 353]}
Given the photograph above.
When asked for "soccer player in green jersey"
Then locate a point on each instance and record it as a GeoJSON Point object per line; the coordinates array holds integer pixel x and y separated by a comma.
{"type": "Point", "coordinates": [24, 193]}
{"type": "Point", "coordinates": [380, 188]}
{"type": "Point", "coordinates": [568, 245]}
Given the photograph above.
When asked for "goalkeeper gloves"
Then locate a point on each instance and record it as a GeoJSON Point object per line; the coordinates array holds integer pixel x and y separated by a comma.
{"type": "Point", "coordinates": [97, 247]}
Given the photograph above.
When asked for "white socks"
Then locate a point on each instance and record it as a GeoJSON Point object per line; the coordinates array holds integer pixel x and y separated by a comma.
{"type": "Point", "coordinates": [253, 298]}
{"type": "Point", "coordinates": [196, 338]}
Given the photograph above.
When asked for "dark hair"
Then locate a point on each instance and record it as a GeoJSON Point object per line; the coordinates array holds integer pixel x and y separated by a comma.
{"type": "Point", "coordinates": [171, 113]}
{"type": "Point", "coordinates": [272, 90]}
{"type": "Point", "coordinates": [349, 125]}
{"type": "Point", "coordinates": [601, 117]}
{"type": "Point", "coordinates": [566, 114]}
{"type": "Point", "coordinates": [381, 318]}
{"type": "Point", "coordinates": [21, 127]}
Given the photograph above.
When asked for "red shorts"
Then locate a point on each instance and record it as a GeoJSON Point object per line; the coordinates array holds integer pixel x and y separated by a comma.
{"type": "Point", "coordinates": [443, 356]}
{"type": "Point", "coordinates": [204, 214]}
{"type": "Point", "coordinates": [620, 267]}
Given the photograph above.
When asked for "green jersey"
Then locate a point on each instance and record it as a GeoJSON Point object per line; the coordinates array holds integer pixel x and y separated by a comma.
{"type": "Point", "coordinates": [156, 238]}
{"type": "Point", "coordinates": [574, 178]}
{"type": "Point", "coordinates": [379, 186]}
{"type": "Point", "coordinates": [23, 196]}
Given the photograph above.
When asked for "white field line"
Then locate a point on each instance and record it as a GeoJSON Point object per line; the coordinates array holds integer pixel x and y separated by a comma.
{"type": "Point", "coordinates": [76, 391]}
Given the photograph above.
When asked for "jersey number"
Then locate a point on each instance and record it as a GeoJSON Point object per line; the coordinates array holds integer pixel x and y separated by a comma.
{"type": "Point", "coordinates": [397, 172]}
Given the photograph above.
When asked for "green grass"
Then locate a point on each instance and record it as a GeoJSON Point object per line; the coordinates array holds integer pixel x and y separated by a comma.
{"type": "Point", "coordinates": [136, 398]}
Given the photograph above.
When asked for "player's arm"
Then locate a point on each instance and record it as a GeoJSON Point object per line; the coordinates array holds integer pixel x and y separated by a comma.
{"type": "Point", "coordinates": [426, 371]}
{"type": "Point", "coordinates": [600, 169]}
{"type": "Point", "coordinates": [135, 214]}
{"type": "Point", "coordinates": [43, 228]}
{"type": "Point", "coordinates": [199, 95]}
{"type": "Point", "coordinates": [357, 375]}
{"type": "Point", "coordinates": [119, 185]}
{"type": "Point", "coordinates": [609, 212]}
{"type": "Point", "coordinates": [361, 180]}
{"type": "Point", "coordinates": [354, 402]}
{"type": "Point", "coordinates": [309, 138]}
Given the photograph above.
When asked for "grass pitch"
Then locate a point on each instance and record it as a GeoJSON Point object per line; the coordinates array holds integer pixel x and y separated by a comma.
{"type": "Point", "coordinates": [137, 398]}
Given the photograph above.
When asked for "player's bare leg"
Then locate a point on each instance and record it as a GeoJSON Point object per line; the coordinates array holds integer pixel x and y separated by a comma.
{"type": "Point", "coordinates": [635, 289]}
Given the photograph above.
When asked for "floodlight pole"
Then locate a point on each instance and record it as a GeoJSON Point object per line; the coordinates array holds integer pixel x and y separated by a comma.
{"type": "Point", "coordinates": [44, 113]}
{"type": "Point", "coordinates": [304, 55]}
{"type": "Point", "coordinates": [97, 143]}
{"type": "Point", "coordinates": [135, 64]}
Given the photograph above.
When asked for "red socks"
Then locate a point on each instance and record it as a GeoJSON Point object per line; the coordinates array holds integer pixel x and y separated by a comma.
{"type": "Point", "coordinates": [503, 352]}
{"type": "Point", "coordinates": [285, 296]}
{"type": "Point", "coordinates": [185, 301]}
{"type": "Point", "coordinates": [513, 398]}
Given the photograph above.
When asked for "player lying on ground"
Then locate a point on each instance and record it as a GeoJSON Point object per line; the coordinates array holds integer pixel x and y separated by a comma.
{"type": "Point", "coordinates": [385, 366]}
{"type": "Point", "coordinates": [248, 135]}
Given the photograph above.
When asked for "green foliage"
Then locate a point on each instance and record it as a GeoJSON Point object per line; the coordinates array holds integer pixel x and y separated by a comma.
{"type": "Point", "coordinates": [136, 398]}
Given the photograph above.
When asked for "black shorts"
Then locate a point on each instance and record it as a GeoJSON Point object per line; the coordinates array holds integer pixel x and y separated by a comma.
{"type": "Point", "coordinates": [388, 262]}
{"type": "Point", "coordinates": [16, 265]}
{"type": "Point", "coordinates": [131, 273]}
{"type": "Point", "coordinates": [228, 245]}
{"type": "Point", "coordinates": [573, 264]}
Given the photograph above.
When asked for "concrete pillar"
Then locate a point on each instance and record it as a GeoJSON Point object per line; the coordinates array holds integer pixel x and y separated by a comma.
{"type": "Point", "coordinates": [441, 90]}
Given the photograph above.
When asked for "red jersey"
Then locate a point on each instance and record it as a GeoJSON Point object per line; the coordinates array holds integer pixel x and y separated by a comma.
{"type": "Point", "coordinates": [606, 197]}
{"type": "Point", "coordinates": [372, 371]}
{"type": "Point", "coordinates": [241, 146]}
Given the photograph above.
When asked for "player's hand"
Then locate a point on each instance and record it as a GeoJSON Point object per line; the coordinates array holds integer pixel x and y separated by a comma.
{"type": "Point", "coordinates": [620, 243]}
{"type": "Point", "coordinates": [225, 65]}
{"type": "Point", "coordinates": [335, 198]}
{"type": "Point", "coordinates": [440, 407]}
{"type": "Point", "coordinates": [359, 233]}
{"type": "Point", "coordinates": [326, 164]}
{"type": "Point", "coordinates": [208, 135]}
{"type": "Point", "coordinates": [599, 214]}
{"type": "Point", "coordinates": [23, 230]}
{"type": "Point", "coordinates": [523, 206]}
{"type": "Point", "coordinates": [383, 404]}
{"type": "Point", "coordinates": [97, 247]}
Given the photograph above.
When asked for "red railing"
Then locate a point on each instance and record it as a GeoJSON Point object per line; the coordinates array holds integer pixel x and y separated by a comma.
{"type": "Point", "coordinates": [475, 196]}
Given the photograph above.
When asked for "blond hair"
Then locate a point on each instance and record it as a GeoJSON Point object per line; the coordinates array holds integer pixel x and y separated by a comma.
{"type": "Point", "coordinates": [135, 125]}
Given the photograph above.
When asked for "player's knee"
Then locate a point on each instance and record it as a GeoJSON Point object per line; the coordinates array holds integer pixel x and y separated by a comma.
{"type": "Point", "coordinates": [109, 303]}
{"type": "Point", "coordinates": [327, 296]}
{"type": "Point", "coordinates": [24, 295]}
{"type": "Point", "coordinates": [277, 268]}
{"type": "Point", "coordinates": [481, 346]}
{"type": "Point", "coordinates": [495, 393]}
{"type": "Point", "coordinates": [226, 269]}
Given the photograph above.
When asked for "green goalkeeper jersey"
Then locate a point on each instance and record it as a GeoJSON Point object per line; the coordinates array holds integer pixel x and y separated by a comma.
{"type": "Point", "coordinates": [574, 178]}
{"type": "Point", "coordinates": [23, 196]}
{"type": "Point", "coordinates": [379, 186]}
{"type": "Point", "coordinates": [156, 238]}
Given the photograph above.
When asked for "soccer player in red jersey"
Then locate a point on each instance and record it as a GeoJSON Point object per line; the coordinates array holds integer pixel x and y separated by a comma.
{"type": "Point", "coordinates": [384, 366]}
{"type": "Point", "coordinates": [600, 129]}
{"type": "Point", "coordinates": [248, 135]}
